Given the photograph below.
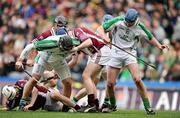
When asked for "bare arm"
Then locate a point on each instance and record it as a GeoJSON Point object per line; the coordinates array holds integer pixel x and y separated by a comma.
{"type": "Point", "coordinates": [24, 55]}
{"type": "Point", "coordinates": [102, 33]}
{"type": "Point", "coordinates": [57, 96]}
{"type": "Point", "coordinates": [26, 51]}
{"type": "Point", "coordinates": [31, 57]}
{"type": "Point", "coordinates": [155, 42]}
{"type": "Point", "coordinates": [83, 45]}
{"type": "Point", "coordinates": [4, 105]}
{"type": "Point", "coordinates": [33, 99]}
{"type": "Point", "coordinates": [73, 61]}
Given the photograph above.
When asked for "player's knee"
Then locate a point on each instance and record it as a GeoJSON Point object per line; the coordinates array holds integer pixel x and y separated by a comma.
{"type": "Point", "coordinates": [34, 80]}
{"type": "Point", "coordinates": [85, 76]}
{"type": "Point", "coordinates": [67, 83]}
{"type": "Point", "coordinates": [53, 95]}
{"type": "Point", "coordinates": [35, 77]}
{"type": "Point", "coordinates": [110, 84]}
{"type": "Point", "coordinates": [137, 80]}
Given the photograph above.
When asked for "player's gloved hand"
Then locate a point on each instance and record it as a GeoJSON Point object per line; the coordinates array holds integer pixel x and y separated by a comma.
{"type": "Point", "coordinates": [30, 62]}
{"type": "Point", "coordinates": [19, 65]}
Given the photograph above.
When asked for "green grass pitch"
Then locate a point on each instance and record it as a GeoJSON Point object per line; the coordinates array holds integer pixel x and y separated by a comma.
{"type": "Point", "coordinates": [117, 114]}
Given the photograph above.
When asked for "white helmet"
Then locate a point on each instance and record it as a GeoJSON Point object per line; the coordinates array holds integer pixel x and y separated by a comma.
{"type": "Point", "coordinates": [9, 92]}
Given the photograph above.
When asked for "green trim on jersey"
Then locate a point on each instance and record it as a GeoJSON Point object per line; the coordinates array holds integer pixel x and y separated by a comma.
{"type": "Point", "coordinates": [50, 43]}
{"type": "Point", "coordinates": [45, 44]}
{"type": "Point", "coordinates": [76, 42]}
{"type": "Point", "coordinates": [115, 21]}
{"type": "Point", "coordinates": [148, 33]}
{"type": "Point", "coordinates": [37, 58]}
{"type": "Point", "coordinates": [112, 23]}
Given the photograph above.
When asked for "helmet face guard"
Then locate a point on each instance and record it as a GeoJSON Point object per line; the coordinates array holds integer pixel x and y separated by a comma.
{"type": "Point", "coordinates": [9, 92]}
{"type": "Point", "coordinates": [61, 21]}
{"type": "Point", "coordinates": [65, 43]}
{"type": "Point", "coordinates": [129, 23]}
{"type": "Point", "coordinates": [66, 48]}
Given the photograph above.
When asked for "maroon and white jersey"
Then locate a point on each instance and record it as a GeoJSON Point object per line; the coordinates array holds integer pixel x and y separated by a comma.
{"type": "Point", "coordinates": [83, 34]}
{"type": "Point", "coordinates": [44, 35]}
{"type": "Point", "coordinates": [20, 83]}
{"type": "Point", "coordinates": [42, 90]}
{"type": "Point", "coordinates": [11, 104]}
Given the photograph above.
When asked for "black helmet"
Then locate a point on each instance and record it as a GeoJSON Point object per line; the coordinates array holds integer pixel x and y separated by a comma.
{"type": "Point", "coordinates": [66, 43]}
{"type": "Point", "coordinates": [61, 21]}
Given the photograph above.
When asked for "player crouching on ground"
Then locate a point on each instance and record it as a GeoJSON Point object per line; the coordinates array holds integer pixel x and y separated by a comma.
{"type": "Point", "coordinates": [54, 101]}
{"type": "Point", "coordinates": [43, 97]}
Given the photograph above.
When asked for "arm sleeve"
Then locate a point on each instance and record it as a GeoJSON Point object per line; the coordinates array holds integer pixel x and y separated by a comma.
{"type": "Point", "coordinates": [42, 36]}
{"type": "Point", "coordinates": [146, 31]}
{"type": "Point", "coordinates": [76, 42]}
{"type": "Point", "coordinates": [112, 23]}
{"type": "Point", "coordinates": [26, 51]}
{"type": "Point", "coordinates": [80, 34]}
{"type": "Point", "coordinates": [45, 44]}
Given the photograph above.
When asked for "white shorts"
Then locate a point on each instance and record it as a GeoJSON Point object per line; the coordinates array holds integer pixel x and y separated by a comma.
{"type": "Point", "coordinates": [102, 57]}
{"type": "Point", "coordinates": [120, 58]}
{"type": "Point", "coordinates": [60, 66]}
